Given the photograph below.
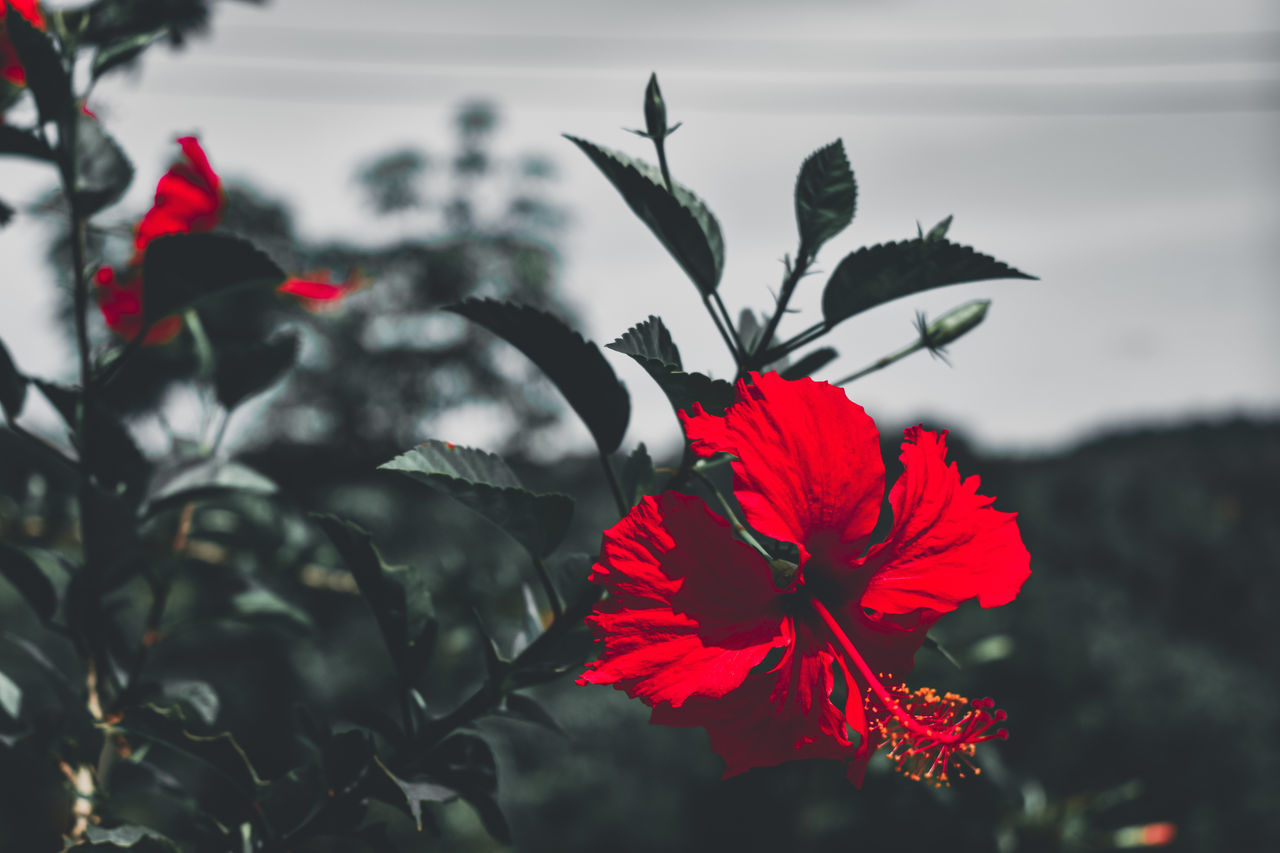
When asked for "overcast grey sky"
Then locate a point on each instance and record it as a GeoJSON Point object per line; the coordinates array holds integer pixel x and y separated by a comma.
{"type": "Point", "coordinates": [1125, 152]}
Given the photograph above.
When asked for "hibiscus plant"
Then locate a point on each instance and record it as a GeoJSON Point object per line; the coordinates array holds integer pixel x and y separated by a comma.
{"type": "Point", "coordinates": [781, 611]}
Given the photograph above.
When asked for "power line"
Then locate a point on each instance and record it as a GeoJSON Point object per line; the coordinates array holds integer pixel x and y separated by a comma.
{"type": "Point", "coordinates": [1013, 100]}
{"type": "Point", "coordinates": [834, 54]}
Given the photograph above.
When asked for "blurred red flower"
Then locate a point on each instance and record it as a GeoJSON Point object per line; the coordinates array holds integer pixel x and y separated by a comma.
{"type": "Point", "coordinates": [189, 200]}
{"type": "Point", "coordinates": [10, 67]}
{"type": "Point", "coordinates": [315, 292]}
{"type": "Point", "coordinates": [782, 661]}
{"type": "Point", "coordinates": [120, 299]}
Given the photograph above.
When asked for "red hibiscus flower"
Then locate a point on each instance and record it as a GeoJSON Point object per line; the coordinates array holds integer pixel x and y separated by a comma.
{"type": "Point", "coordinates": [781, 661]}
{"type": "Point", "coordinates": [10, 67]}
{"type": "Point", "coordinates": [189, 199]}
{"type": "Point", "coordinates": [120, 299]}
{"type": "Point", "coordinates": [315, 292]}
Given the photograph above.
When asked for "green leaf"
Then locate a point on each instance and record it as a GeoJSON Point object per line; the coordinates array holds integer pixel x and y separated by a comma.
{"type": "Point", "coordinates": [10, 696]}
{"type": "Point", "coordinates": [649, 339]}
{"type": "Point", "coordinates": [483, 482]}
{"type": "Point", "coordinates": [199, 479]}
{"type": "Point", "coordinates": [13, 385]}
{"type": "Point", "coordinates": [465, 763]}
{"type": "Point", "coordinates": [218, 753]}
{"type": "Point", "coordinates": [877, 274]}
{"type": "Point", "coordinates": [521, 707]}
{"type": "Point", "coordinates": [244, 369]}
{"type": "Point", "coordinates": [682, 222]}
{"type": "Point", "coordinates": [48, 80]}
{"type": "Point", "coordinates": [826, 196]}
{"type": "Point", "coordinates": [180, 270]}
{"type": "Point", "coordinates": [939, 231]}
{"type": "Point", "coordinates": [259, 602]}
{"type": "Point", "coordinates": [398, 595]}
{"type": "Point", "coordinates": [811, 362]}
{"type": "Point", "coordinates": [123, 51]}
{"type": "Point", "coordinates": [139, 839]}
{"type": "Point", "coordinates": [103, 438]}
{"type": "Point", "coordinates": [415, 791]}
{"type": "Point", "coordinates": [40, 581]}
{"type": "Point", "coordinates": [649, 344]}
{"type": "Point", "coordinates": [21, 143]}
{"type": "Point", "coordinates": [576, 366]}
{"type": "Point", "coordinates": [638, 477]}
{"type": "Point", "coordinates": [103, 171]}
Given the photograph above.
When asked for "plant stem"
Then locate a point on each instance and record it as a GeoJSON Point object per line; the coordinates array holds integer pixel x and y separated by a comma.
{"type": "Point", "coordinates": [712, 299]}
{"type": "Point", "coordinates": [544, 577]}
{"type": "Point", "coordinates": [883, 362]}
{"type": "Point", "coordinates": [738, 527]}
{"type": "Point", "coordinates": [794, 274]}
{"type": "Point", "coordinates": [809, 335]}
{"type": "Point", "coordinates": [725, 335]}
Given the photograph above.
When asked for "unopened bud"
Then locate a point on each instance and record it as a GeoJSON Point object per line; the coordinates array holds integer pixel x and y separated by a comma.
{"type": "Point", "coordinates": [655, 109]}
{"type": "Point", "coordinates": [953, 324]}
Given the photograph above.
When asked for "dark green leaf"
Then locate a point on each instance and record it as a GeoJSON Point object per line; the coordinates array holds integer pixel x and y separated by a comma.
{"type": "Point", "coordinates": [259, 602]}
{"type": "Point", "coordinates": [218, 753]}
{"type": "Point", "coordinates": [121, 52]}
{"type": "Point", "coordinates": [939, 231]}
{"type": "Point", "coordinates": [139, 839]}
{"type": "Point", "coordinates": [46, 77]}
{"type": "Point", "coordinates": [245, 369]}
{"type": "Point", "coordinates": [483, 482]}
{"type": "Point", "coordinates": [6, 213]}
{"type": "Point", "coordinates": [13, 385]}
{"type": "Point", "coordinates": [575, 366]}
{"type": "Point", "coordinates": [417, 790]}
{"type": "Point", "coordinates": [681, 221]}
{"type": "Point", "coordinates": [650, 345]}
{"type": "Point", "coordinates": [826, 195]}
{"type": "Point", "coordinates": [66, 401]}
{"type": "Point", "coordinates": [103, 172]}
{"type": "Point", "coordinates": [40, 581]}
{"type": "Point", "coordinates": [649, 339]}
{"type": "Point", "coordinates": [638, 477]}
{"type": "Point", "coordinates": [197, 697]}
{"type": "Point", "coordinates": [23, 144]}
{"type": "Point", "coordinates": [179, 270]}
{"type": "Point", "coordinates": [199, 479]}
{"type": "Point", "coordinates": [465, 763]}
{"type": "Point", "coordinates": [114, 457]}
{"type": "Point", "coordinates": [811, 362]}
{"type": "Point", "coordinates": [525, 708]}
{"type": "Point", "coordinates": [398, 595]}
{"type": "Point", "coordinates": [10, 696]}
{"type": "Point", "coordinates": [877, 274]}
{"type": "Point", "coordinates": [104, 440]}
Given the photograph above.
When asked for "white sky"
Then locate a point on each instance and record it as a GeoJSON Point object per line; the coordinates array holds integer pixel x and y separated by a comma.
{"type": "Point", "coordinates": [1125, 152]}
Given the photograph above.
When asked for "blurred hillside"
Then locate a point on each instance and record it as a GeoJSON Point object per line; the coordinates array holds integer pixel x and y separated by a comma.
{"type": "Point", "coordinates": [1135, 666]}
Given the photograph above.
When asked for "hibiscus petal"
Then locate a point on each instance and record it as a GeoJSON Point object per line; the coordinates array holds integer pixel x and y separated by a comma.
{"type": "Point", "coordinates": [782, 715]}
{"type": "Point", "coordinates": [808, 467]}
{"type": "Point", "coordinates": [692, 610]}
{"type": "Point", "coordinates": [947, 545]}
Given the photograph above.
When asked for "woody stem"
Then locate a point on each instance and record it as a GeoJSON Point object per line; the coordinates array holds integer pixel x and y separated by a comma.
{"type": "Point", "coordinates": [952, 737]}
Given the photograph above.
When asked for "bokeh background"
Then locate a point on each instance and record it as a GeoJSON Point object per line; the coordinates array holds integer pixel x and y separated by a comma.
{"type": "Point", "coordinates": [1127, 405]}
